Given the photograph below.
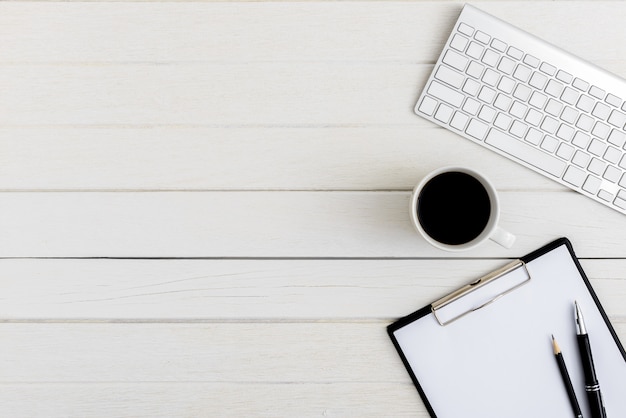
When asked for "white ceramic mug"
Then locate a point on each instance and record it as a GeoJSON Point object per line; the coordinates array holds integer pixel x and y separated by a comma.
{"type": "Point", "coordinates": [491, 230]}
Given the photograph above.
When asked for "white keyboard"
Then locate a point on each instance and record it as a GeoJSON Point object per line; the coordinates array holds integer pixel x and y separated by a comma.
{"type": "Point", "coordinates": [532, 102]}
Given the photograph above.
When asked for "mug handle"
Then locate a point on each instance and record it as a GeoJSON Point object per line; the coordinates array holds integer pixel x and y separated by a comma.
{"type": "Point", "coordinates": [502, 237]}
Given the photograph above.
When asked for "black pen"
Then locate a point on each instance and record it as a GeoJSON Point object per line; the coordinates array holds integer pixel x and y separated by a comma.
{"type": "Point", "coordinates": [591, 382]}
{"type": "Point", "coordinates": [566, 379]}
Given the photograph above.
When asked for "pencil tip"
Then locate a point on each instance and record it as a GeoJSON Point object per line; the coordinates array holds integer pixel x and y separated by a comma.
{"type": "Point", "coordinates": [555, 346]}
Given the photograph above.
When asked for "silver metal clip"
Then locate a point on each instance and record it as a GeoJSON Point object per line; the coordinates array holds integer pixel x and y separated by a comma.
{"type": "Point", "coordinates": [474, 286]}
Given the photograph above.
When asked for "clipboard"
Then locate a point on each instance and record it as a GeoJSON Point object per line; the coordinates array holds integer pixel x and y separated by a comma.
{"type": "Point", "coordinates": [485, 350]}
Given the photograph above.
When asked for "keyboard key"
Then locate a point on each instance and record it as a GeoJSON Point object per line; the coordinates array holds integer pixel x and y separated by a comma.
{"type": "Point", "coordinates": [564, 77]}
{"type": "Point", "coordinates": [565, 132]}
{"type": "Point", "coordinates": [475, 69]}
{"type": "Point", "coordinates": [581, 140]}
{"type": "Point", "coordinates": [597, 148]}
{"type": "Point", "coordinates": [597, 166]}
{"type": "Point", "coordinates": [449, 76]}
{"type": "Point", "coordinates": [466, 29]}
{"type": "Point", "coordinates": [522, 92]}
{"type": "Point", "coordinates": [515, 53]}
{"type": "Point", "coordinates": [475, 50]}
{"type": "Point", "coordinates": [471, 87]}
{"type": "Point", "coordinates": [498, 45]}
{"type": "Point", "coordinates": [459, 120]}
{"type": "Point", "coordinates": [554, 88]}
{"type": "Point", "coordinates": [482, 37]}
{"type": "Point", "coordinates": [601, 130]}
{"type": "Point", "coordinates": [622, 163]}
{"type": "Point", "coordinates": [503, 121]}
{"type": "Point", "coordinates": [585, 103]}
{"type": "Point", "coordinates": [547, 68]}
{"type": "Point", "coordinates": [506, 84]}
{"type": "Point", "coordinates": [538, 100]}
{"type": "Point", "coordinates": [601, 111]}
{"type": "Point", "coordinates": [570, 96]}
{"type": "Point", "coordinates": [459, 42]}
{"type": "Point", "coordinates": [620, 203]}
{"type": "Point", "coordinates": [518, 149]}
{"type": "Point", "coordinates": [538, 80]}
{"type": "Point", "coordinates": [471, 106]}
{"type": "Point", "coordinates": [491, 77]}
{"type": "Point", "coordinates": [533, 117]}
{"type": "Point", "coordinates": [455, 60]}
{"type": "Point", "coordinates": [592, 185]}
{"type": "Point", "coordinates": [550, 125]}
{"type": "Point", "coordinates": [445, 93]}
{"type": "Point", "coordinates": [581, 85]}
{"type": "Point", "coordinates": [605, 195]}
{"type": "Point", "coordinates": [487, 114]}
{"type": "Point", "coordinates": [617, 119]}
{"type": "Point", "coordinates": [507, 65]}
{"type": "Point", "coordinates": [522, 73]}
{"type": "Point", "coordinates": [518, 129]}
{"type": "Point", "coordinates": [613, 100]}
{"type": "Point", "coordinates": [565, 151]}
{"type": "Point", "coordinates": [502, 102]}
{"type": "Point", "coordinates": [581, 159]}
{"type": "Point", "coordinates": [477, 129]}
{"type": "Point", "coordinates": [486, 94]}
{"type": "Point", "coordinates": [554, 108]}
{"type": "Point", "coordinates": [597, 92]}
{"type": "Point", "coordinates": [569, 115]}
{"type": "Point", "coordinates": [518, 109]}
{"type": "Point", "coordinates": [617, 138]}
{"type": "Point", "coordinates": [532, 61]}
{"type": "Point", "coordinates": [534, 136]}
{"type": "Point", "coordinates": [428, 106]}
{"type": "Point", "coordinates": [444, 113]}
{"type": "Point", "coordinates": [491, 58]}
{"type": "Point", "coordinates": [612, 155]}
{"type": "Point", "coordinates": [584, 122]}
{"type": "Point", "coordinates": [549, 143]}
{"type": "Point", "coordinates": [622, 183]}
{"type": "Point", "coordinates": [612, 174]}
{"type": "Point", "coordinates": [575, 176]}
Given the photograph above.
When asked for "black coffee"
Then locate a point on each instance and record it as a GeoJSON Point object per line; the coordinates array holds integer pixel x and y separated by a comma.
{"type": "Point", "coordinates": [453, 208]}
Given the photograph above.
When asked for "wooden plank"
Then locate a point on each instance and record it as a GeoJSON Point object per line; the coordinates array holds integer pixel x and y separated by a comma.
{"type": "Point", "coordinates": [249, 158]}
{"type": "Point", "coordinates": [240, 94]}
{"type": "Point", "coordinates": [152, 400]}
{"type": "Point", "coordinates": [209, 353]}
{"type": "Point", "coordinates": [279, 224]}
{"type": "Point", "coordinates": [199, 94]}
{"type": "Point", "coordinates": [249, 31]}
{"type": "Point", "coordinates": [250, 290]}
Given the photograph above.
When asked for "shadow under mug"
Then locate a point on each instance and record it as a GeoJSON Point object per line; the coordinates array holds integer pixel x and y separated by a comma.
{"type": "Point", "coordinates": [457, 209]}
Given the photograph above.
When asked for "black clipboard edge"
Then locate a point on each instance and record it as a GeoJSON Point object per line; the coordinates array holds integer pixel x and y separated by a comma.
{"type": "Point", "coordinates": [527, 258]}
{"type": "Point", "coordinates": [593, 295]}
{"type": "Point", "coordinates": [394, 327]}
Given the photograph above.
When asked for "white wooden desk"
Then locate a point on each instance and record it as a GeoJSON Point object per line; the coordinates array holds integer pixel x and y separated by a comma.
{"type": "Point", "coordinates": [204, 205]}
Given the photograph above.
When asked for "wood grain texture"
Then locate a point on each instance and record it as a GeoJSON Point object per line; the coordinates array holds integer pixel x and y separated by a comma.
{"type": "Point", "coordinates": [245, 158]}
{"type": "Point", "coordinates": [209, 353]}
{"type": "Point", "coordinates": [279, 224]}
{"type": "Point", "coordinates": [286, 369]}
{"type": "Point", "coordinates": [251, 290]}
{"type": "Point", "coordinates": [171, 399]}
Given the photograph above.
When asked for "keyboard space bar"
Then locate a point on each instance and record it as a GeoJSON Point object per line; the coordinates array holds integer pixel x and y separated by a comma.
{"type": "Point", "coordinates": [524, 152]}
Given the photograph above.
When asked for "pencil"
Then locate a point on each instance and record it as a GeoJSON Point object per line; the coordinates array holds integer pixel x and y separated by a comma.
{"type": "Point", "coordinates": [566, 379]}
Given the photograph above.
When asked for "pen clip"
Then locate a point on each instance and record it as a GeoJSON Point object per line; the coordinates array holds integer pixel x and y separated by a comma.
{"type": "Point", "coordinates": [476, 285]}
